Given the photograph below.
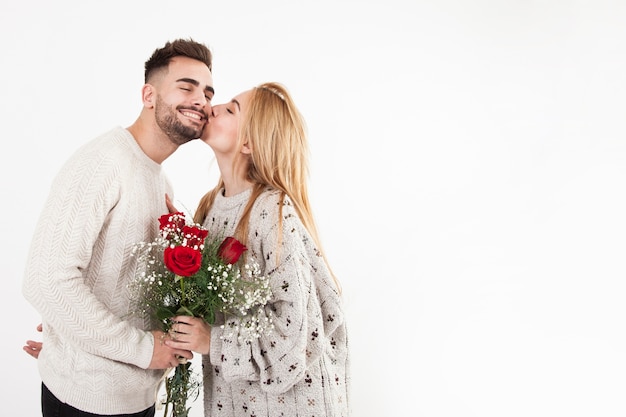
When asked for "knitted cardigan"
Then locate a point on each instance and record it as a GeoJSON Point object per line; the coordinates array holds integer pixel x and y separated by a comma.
{"type": "Point", "coordinates": [106, 198]}
{"type": "Point", "coordinates": [301, 367]}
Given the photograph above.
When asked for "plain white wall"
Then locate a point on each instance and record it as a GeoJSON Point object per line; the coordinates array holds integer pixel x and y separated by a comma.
{"type": "Point", "coordinates": [468, 173]}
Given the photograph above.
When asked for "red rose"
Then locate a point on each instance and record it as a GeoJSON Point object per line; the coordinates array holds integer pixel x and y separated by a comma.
{"type": "Point", "coordinates": [231, 250]}
{"type": "Point", "coordinates": [172, 221]}
{"type": "Point", "coordinates": [182, 260]}
{"type": "Point", "coordinates": [195, 236]}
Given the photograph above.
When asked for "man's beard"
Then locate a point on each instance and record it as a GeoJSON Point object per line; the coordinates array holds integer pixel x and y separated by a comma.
{"type": "Point", "coordinates": [167, 120]}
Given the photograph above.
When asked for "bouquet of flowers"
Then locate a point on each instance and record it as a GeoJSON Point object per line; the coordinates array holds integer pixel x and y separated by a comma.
{"type": "Point", "coordinates": [186, 272]}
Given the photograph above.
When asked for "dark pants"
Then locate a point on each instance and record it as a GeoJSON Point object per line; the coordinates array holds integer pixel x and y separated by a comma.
{"type": "Point", "coordinates": [52, 407]}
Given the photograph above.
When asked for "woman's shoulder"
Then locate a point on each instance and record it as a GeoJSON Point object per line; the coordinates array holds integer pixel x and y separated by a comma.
{"type": "Point", "coordinates": [268, 198]}
{"type": "Point", "coordinates": [270, 201]}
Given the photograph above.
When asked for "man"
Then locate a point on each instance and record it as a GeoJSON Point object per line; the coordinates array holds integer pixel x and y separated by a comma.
{"type": "Point", "coordinates": [107, 197]}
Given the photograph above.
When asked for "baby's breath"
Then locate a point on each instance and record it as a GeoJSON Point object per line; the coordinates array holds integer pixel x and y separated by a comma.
{"type": "Point", "coordinates": [235, 295]}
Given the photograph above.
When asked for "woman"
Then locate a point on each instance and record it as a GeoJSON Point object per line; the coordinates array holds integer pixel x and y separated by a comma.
{"type": "Point", "coordinates": [301, 367]}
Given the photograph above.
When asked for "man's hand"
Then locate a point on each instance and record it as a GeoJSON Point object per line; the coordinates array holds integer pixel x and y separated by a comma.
{"type": "Point", "coordinates": [32, 347]}
{"type": "Point", "coordinates": [170, 206]}
{"type": "Point", "coordinates": [163, 356]}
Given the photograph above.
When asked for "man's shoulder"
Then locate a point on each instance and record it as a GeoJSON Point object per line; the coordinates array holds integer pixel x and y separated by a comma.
{"type": "Point", "coordinates": [108, 139]}
{"type": "Point", "coordinates": [110, 151]}
{"type": "Point", "coordinates": [112, 144]}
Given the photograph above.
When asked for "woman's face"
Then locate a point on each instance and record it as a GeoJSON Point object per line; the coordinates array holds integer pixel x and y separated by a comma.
{"type": "Point", "coordinates": [221, 131]}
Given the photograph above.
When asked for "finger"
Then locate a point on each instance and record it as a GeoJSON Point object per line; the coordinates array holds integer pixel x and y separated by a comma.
{"type": "Point", "coordinates": [178, 338]}
{"type": "Point", "coordinates": [32, 352]}
{"type": "Point", "coordinates": [184, 353]}
{"type": "Point", "coordinates": [170, 206]}
{"type": "Point", "coordinates": [39, 327]}
{"type": "Point", "coordinates": [189, 320]}
{"type": "Point", "coordinates": [176, 335]}
{"type": "Point", "coordinates": [34, 345]}
{"type": "Point", "coordinates": [179, 348]}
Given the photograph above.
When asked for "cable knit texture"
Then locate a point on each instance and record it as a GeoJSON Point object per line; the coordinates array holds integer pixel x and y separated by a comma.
{"type": "Point", "coordinates": [301, 368]}
{"type": "Point", "coordinates": [106, 198]}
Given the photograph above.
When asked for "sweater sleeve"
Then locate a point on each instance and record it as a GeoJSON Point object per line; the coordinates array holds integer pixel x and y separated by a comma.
{"type": "Point", "coordinates": [69, 242]}
{"type": "Point", "coordinates": [279, 360]}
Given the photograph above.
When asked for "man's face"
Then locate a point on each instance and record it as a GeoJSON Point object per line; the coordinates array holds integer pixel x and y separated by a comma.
{"type": "Point", "coordinates": [183, 99]}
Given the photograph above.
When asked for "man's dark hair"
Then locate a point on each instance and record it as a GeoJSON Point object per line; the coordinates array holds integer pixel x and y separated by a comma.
{"type": "Point", "coordinates": [161, 57]}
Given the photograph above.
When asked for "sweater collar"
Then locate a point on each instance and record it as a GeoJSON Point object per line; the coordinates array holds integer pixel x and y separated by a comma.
{"type": "Point", "coordinates": [228, 203]}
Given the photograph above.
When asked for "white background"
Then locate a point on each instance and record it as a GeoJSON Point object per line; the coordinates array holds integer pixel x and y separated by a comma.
{"type": "Point", "coordinates": [468, 172]}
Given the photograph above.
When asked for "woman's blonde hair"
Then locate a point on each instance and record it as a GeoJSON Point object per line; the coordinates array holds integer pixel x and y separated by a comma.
{"type": "Point", "coordinates": [276, 133]}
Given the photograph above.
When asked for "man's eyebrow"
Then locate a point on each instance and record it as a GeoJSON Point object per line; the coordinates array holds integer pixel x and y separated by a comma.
{"type": "Point", "coordinates": [196, 83]}
{"type": "Point", "coordinates": [188, 80]}
{"type": "Point", "coordinates": [237, 103]}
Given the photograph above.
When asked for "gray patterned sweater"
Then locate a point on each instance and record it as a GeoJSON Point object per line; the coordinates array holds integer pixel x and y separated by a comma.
{"type": "Point", "coordinates": [301, 368]}
{"type": "Point", "coordinates": [107, 197]}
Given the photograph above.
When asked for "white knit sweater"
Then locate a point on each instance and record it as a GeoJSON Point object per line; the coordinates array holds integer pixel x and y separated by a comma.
{"type": "Point", "coordinates": [301, 368]}
{"type": "Point", "coordinates": [107, 197]}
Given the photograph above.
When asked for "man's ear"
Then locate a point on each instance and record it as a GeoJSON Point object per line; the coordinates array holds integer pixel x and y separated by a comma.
{"type": "Point", "coordinates": [148, 95]}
